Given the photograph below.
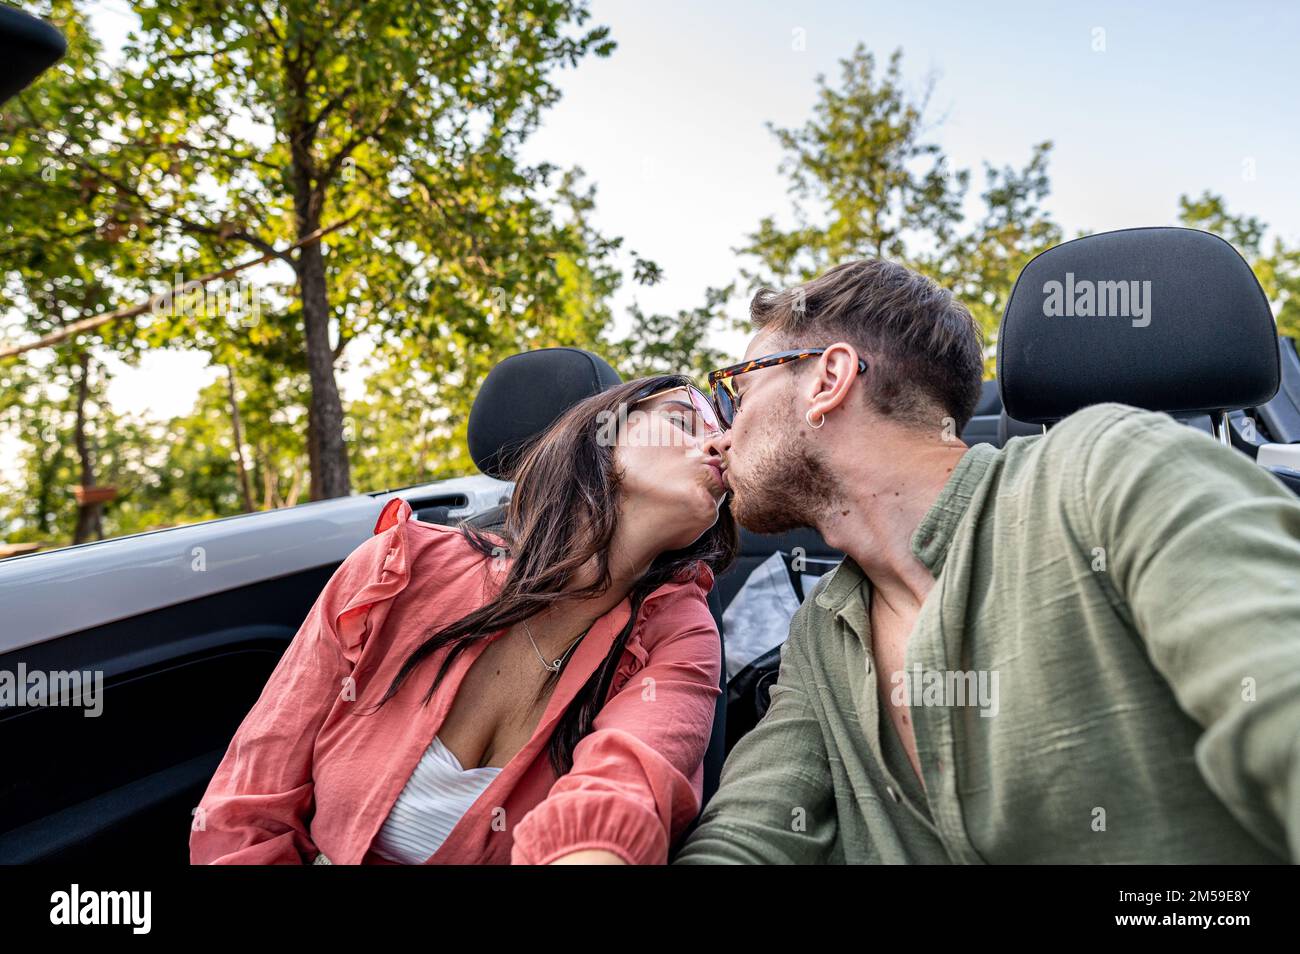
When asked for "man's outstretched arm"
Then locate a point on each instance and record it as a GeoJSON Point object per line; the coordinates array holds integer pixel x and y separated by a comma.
{"type": "Point", "coordinates": [1204, 548]}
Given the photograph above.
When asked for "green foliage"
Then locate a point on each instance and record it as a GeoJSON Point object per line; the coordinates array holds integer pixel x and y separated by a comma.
{"type": "Point", "coordinates": [672, 344]}
{"type": "Point", "coordinates": [233, 128]}
{"type": "Point", "coordinates": [981, 264]}
{"type": "Point", "coordinates": [35, 403]}
{"type": "Point", "coordinates": [867, 182]}
{"type": "Point", "coordinates": [238, 128]}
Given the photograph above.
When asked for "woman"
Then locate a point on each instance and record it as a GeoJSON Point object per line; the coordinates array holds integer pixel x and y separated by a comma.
{"type": "Point", "coordinates": [540, 695]}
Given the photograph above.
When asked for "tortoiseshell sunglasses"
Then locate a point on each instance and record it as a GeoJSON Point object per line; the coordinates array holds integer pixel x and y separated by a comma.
{"type": "Point", "coordinates": [726, 401]}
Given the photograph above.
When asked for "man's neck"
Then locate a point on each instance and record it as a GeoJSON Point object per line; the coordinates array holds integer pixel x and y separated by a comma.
{"type": "Point", "coordinates": [883, 499]}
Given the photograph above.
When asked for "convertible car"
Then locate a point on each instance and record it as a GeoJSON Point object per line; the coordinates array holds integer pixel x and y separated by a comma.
{"type": "Point", "coordinates": [186, 624]}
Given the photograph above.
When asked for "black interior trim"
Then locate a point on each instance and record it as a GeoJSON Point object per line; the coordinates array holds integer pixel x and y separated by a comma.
{"type": "Point", "coordinates": [75, 830]}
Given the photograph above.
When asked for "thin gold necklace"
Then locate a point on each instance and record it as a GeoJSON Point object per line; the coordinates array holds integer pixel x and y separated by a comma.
{"type": "Point", "coordinates": [551, 666]}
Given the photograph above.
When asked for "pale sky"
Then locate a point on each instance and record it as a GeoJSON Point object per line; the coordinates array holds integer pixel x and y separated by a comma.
{"type": "Point", "coordinates": [1185, 97]}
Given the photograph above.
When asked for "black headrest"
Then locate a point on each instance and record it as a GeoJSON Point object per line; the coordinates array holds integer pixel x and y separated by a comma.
{"type": "Point", "coordinates": [1009, 427]}
{"type": "Point", "coordinates": [27, 47]}
{"type": "Point", "coordinates": [523, 395]}
{"type": "Point", "coordinates": [1167, 319]}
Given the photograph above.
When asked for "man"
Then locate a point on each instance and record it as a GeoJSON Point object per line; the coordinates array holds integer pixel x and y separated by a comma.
{"type": "Point", "coordinates": [1083, 647]}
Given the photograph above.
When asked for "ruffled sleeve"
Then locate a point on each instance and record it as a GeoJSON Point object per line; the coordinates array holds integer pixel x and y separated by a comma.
{"type": "Point", "coordinates": [636, 781]}
{"type": "Point", "coordinates": [390, 551]}
{"type": "Point", "coordinates": [256, 807]}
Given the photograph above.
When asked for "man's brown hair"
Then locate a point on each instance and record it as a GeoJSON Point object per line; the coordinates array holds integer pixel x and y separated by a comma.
{"type": "Point", "coordinates": [922, 346]}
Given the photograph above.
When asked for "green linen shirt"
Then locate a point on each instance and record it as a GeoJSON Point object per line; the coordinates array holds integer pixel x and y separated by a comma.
{"type": "Point", "coordinates": [1129, 591]}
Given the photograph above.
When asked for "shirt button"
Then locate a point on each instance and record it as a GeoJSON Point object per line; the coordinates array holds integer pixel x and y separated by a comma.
{"type": "Point", "coordinates": [892, 794]}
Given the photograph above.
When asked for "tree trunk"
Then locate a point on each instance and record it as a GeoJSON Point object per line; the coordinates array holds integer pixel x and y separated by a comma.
{"type": "Point", "coordinates": [313, 451]}
{"type": "Point", "coordinates": [89, 515]}
{"type": "Point", "coordinates": [330, 474]}
{"type": "Point", "coordinates": [270, 499]}
{"type": "Point", "coordinates": [295, 488]}
{"type": "Point", "coordinates": [244, 486]}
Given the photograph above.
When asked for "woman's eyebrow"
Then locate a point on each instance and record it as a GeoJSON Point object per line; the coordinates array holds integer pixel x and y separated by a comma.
{"type": "Point", "coordinates": [678, 401]}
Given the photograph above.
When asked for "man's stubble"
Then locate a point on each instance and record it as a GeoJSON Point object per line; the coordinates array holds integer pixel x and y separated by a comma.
{"type": "Point", "coordinates": [788, 483]}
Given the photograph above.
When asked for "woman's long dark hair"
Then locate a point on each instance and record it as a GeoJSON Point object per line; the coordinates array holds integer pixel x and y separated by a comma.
{"type": "Point", "coordinates": [562, 514]}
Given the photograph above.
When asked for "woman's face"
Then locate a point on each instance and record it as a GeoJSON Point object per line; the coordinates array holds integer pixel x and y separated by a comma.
{"type": "Point", "coordinates": [670, 467]}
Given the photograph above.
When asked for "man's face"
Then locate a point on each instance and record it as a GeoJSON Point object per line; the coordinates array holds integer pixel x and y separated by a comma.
{"type": "Point", "coordinates": [778, 478]}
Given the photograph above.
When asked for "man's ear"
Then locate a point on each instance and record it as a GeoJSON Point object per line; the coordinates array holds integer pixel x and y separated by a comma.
{"type": "Point", "coordinates": [833, 374]}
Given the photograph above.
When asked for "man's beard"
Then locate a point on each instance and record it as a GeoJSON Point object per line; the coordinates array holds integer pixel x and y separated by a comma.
{"type": "Point", "coordinates": [787, 487]}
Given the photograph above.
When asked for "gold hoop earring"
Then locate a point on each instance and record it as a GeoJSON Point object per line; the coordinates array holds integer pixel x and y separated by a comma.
{"type": "Point", "coordinates": [807, 416]}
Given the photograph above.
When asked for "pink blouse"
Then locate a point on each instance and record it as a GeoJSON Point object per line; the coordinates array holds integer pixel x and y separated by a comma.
{"type": "Point", "coordinates": [304, 775]}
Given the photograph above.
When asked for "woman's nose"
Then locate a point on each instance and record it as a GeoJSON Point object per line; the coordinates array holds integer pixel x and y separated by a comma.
{"type": "Point", "coordinates": [717, 444]}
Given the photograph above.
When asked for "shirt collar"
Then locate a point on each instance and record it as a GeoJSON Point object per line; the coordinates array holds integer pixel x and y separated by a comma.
{"type": "Point", "coordinates": [932, 536]}
{"type": "Point", "coordinates": [934, 533]}
{"type": "Point", "coordinates": [701, 573]}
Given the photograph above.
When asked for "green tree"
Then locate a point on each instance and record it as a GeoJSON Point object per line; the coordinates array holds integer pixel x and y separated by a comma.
{"type": "Point", "coordinates": [671, 344]}
{"type": "Point", "coordinates": [982, 263]}
{"type": "Point", "coordinates": [36, 419]}
{"type": "Point", "coordinates": [410, 426]}
{"type": "Point", "coordinates": [867, 183]}
{"type": "Point", "coordinates": [864, 179]}
{"type": "Point", "coordinates": [70, 249]}
{"type": "Point", "coordinates": [239, 126]}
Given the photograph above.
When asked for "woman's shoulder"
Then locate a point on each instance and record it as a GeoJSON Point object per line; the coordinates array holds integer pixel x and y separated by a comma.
{"type": "Point", "coordinates": [402, 560]}
{"type": "Point", "coordinates": [398, 518]}
{"type": "Point", "coordinates": [676, 613]}
{"type": "Point", "coordinates": [680, 604]}
{"type": "Point", "coordinates": [402, 549]}
{"type": "Point", "coordinates": [407, 545]}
